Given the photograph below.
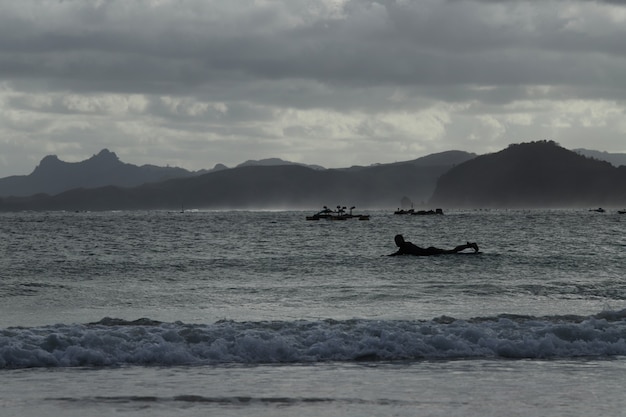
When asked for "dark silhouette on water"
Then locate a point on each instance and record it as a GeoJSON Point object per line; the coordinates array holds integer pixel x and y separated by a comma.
{"type": "Point", "coordinates": [408, 248]}
{"type": "Point", "coordinates": [419, 212]}
{"type": "Point", "coordinates": [339, 214]}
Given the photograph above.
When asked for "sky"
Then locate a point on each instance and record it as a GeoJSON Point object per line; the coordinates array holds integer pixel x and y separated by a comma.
{"type": "Point", "coordinates": [336, 83]}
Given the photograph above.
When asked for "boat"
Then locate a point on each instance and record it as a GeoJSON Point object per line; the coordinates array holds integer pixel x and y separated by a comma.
{"type": "Point", "coordinates": [622, 211]}
{"type": "Point", "coordinates": [428, 212]}
{"type": "Point", "coordinates": [339, 214]}
{"type": "Point", "coordinates": [598, 210]}
{"type": "Point", "coordinates": [419, 212]}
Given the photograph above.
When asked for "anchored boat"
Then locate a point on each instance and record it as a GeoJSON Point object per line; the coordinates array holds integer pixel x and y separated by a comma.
{"type": "Point", "coordinates": [339, 214]}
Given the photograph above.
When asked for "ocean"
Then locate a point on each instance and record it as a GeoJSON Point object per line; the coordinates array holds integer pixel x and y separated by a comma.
{"type": "Point", "coordinates": [263, 313]}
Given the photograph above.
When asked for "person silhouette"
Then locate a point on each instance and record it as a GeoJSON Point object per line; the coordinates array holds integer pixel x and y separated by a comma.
{"type": "Point", "coordinates": [408, 248]}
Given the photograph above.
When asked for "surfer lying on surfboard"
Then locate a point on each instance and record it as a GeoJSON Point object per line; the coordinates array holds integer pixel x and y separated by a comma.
{"type": "Point", "coordinates": [408, 248]}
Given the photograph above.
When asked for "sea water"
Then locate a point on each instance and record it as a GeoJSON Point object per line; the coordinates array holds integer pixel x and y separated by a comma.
{"type": "Point", "coordinates": [267, 314]}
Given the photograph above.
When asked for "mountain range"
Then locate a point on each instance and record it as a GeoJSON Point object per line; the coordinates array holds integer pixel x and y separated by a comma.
{"type": "Point", "coordinates": [105, 183]}
{"type": "Point", "coordinates": [53, 176]}
{"type": "Point", "coordinates": [535, 174]}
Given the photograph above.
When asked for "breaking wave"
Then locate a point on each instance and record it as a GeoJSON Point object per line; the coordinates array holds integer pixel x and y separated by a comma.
{"type": "Point", "coordinates": [145, 342]}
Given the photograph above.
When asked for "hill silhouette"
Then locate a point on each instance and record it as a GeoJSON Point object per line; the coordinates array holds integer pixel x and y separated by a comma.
{"type": "Point", "coordinates": [274, 162]}
{"type": "Point", "coordinates": [53, 176]}
{"type": "Point", "coordinates": [536, 174]}
{"type": "Point", "coordinates": [265, 186]}
{"type": "Point", "coordinates": [616, 159]}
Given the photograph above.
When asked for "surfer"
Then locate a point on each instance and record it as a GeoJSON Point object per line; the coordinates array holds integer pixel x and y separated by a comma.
{"type": "Point", "coordinates": [408, 248]}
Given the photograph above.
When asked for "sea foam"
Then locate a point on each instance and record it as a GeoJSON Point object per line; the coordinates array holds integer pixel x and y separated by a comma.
{"type": "Point", "coordinates": [116, 342]}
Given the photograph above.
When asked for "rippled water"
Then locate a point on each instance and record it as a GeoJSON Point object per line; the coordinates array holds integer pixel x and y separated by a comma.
{"type": "Point", "coordinates": [239, 301]}
{"type": "Point", "coordinates": [205, 266]}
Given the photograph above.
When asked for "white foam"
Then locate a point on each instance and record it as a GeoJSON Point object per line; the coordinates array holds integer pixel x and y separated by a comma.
{"type": "Point", "coordinates": [113, 342]}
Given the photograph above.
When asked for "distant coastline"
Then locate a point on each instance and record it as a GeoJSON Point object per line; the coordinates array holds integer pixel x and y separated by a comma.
{"type": "Point", "coordinates": [538, 174]}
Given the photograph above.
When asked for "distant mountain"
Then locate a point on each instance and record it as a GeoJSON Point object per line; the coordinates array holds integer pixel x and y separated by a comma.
{"type": "Point", "coordinates": [616, 159]}
{"type": "Point", "coordinates": [447, 158]}
{"type": "Point", "coordinates": [270, 186]}
{"type": "Point", "coordinates": [53, 176]}
{"type": "Point", "coordinates": [217, 167]}
{"type": "Point", "coordinates": [536, 174]}
{"type": "Point", "coordinates": [275, 162]}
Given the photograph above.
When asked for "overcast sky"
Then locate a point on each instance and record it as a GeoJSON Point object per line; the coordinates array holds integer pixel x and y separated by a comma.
{"type": "Point", "coordinates": [193, 83]}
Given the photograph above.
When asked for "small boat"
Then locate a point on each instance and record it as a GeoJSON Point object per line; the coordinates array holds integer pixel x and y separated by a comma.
{"type": "Point", "coordinates": [419, 212]}
{"type": "Point", "coordinates": [428, 212]}
{"type": "Point", "coordinates": [598, 210]}
{"type": "Point", "coordinates": [622, 211]}
{"type": "Point", "coordinates": [339, 214]}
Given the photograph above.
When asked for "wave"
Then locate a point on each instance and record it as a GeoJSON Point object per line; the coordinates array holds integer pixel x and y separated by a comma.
{"type": "Point", "coordinates": [145, 342]}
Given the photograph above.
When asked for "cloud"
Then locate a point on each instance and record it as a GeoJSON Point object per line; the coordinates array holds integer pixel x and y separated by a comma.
{"type": "Point", "coordinates": [197, 82]}
{"type": "Point", "coordinates": [194, 47]}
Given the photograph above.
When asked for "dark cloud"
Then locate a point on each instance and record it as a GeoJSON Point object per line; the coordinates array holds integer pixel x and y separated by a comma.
{"type": "Point", "coordinates": [372, 43]}
{"type": "Point", "coordinates": [288, 72]}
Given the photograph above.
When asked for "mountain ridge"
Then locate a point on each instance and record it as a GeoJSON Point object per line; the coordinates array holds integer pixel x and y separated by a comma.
{"type": "Point", "coordinates": [535, 174]}
{"type": "Point", "coordinates": [53, 176]}
{"type": "Point", "coordinates": [615, 159]}
{"type": "Point", "coordinates": [260, 186]}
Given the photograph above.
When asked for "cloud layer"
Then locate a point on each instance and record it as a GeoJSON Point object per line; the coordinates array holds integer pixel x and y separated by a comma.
{"type": "Point", "coordinates": [193, 83]}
